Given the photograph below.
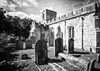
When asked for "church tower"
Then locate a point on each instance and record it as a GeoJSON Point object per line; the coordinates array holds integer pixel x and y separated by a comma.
{"type": "Point", "coordinates": [48, 15]}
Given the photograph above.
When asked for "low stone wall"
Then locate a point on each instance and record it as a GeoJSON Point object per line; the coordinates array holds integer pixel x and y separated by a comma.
{"type": "Point", "coordinates": [75, 61]}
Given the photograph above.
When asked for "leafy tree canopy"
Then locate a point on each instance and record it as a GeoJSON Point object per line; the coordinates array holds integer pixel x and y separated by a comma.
{"type": "Point", "coordinates": [14, 25]}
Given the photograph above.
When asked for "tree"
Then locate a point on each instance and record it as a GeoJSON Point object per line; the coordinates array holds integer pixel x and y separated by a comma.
{"type": "Point", "coordinates": [20, 27]}
{"type": "Point", "coordinates": [14, 25]}
{"type": "Point", "coordinates": [2, 19]}
{"type": "Point", "coordinates": [26, 27]}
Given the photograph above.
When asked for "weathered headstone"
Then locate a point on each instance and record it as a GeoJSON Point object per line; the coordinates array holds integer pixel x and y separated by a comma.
{"type": "Point", "coordinates": [58, 46]}
{"type": "Point", "coordinates": [98, 58]}
{"type": "Point", "coordinates": [24, 45]}
{"type": "Point", "coordinates": [28, 44]}
{"type": "Point", "coordinates": [91, 65]}
{"type": "Point", "coordinates": [32, 38]}
{"type": "Point", "coordinates": [70, 45]}
{"type": "Point", "coordinates": [88, 66]}
{"type": "Point", "coordinates": [19, 44]}
{"type": "Point", "coordinates": [12, 40]}
{"type": "Point", "coordinates": [41, 54]}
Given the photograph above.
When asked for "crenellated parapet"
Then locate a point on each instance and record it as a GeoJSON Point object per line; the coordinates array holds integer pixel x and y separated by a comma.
{"type": "Point", "coordinates": [94, 7]}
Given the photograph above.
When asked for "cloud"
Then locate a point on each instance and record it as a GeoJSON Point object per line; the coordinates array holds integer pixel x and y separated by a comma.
{"type": "Point", "coordinates": [36, 17]}
{"type": "Point", "coordinates": [13, 3]}
{"type": "Point", "coordinates": [24, 15]}
{"type": "Point", "coordinates": [18, 2]}
{"type": "Point", "coordinates": [83, 3]}
{"type": "Point", "coordinates": [86, 2]}
{"type": "Point", "coordinates": [50, 8]}
{"type": "Point", "coordinates": [25, 4]}
{"type": "Point", "coordinates": [3, 2]}
{"type": "Point", "coordinates": [77, 5]}
{"type": "Point", "coordinates": [9, 6]}
{"type": "Point", "coordinates": [34, 2]}
{"type": "Point", "coordinates": [19, 14]}
{"type": "Point", "coordinates": [12, 7]}
{"type": "Point", "coordinates": [21, 3]}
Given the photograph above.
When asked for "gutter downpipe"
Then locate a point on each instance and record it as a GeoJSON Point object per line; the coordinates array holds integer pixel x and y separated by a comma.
{"type": "Point", "coordinates": [82, 32]}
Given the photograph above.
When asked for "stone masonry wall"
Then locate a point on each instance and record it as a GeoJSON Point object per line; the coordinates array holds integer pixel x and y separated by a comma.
{"type": "Point", "coordinates": [89, 32]}
{"type": "Point", "coordinates": [62, 26]}
{"type": "Point", "coordinates": [77, 23]}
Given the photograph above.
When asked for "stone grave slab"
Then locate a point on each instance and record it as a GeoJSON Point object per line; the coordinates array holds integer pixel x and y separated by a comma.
{"type": "Point", "coordinates": [58, 46]}
{"type": "Point", "coordinates": [32, 38]}
{"type": "Point", "coordinates": [28, 44]}
{"type": "Point", "coordinates": [41, 54]}
{"type": "Point", "coordinates": [19, 44]}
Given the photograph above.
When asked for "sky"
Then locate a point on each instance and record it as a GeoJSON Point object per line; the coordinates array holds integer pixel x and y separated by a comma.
{"type": "Point", "coordinates": [33, 8]}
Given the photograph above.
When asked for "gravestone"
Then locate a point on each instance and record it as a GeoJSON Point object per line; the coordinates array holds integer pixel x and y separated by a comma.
{"type": "Point", "coordinates": [58, 46]}
{"type": "Point", "coordinates": [88, 66]}
{"type": "Point", "coordinates": [28, 44]}
{"type": "Point", "coordinates": [98, 58]}
{"type": "Point", "coordinates": [32, 38]}
{"type": "Point", "coordinates": [70, 45]}
{"type": "Point", "coordinates": [12, 40]}
{"type": "Point", "coordinates": [91, 65]}
{"type": "Point", "coordinates": [41, 53]}
{"type": "Point", "coordinates": [19, 44]}
{"type": "Point", "coordinates": [24, 45]}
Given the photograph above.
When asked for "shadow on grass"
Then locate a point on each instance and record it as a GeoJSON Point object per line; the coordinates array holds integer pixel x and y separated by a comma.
{"type": "Point", "coordinates": [5, 58]}
{"type": "Point", "coordinates": [76, 52]}
{"type": "Point", "coordinates": [55, 60]}
{"type": "Point", "coordinates": [8, 67]}
{"type": "Point", "coordinates": [95, 69]}
{"type": "Point", "coordinates": [5, 55]}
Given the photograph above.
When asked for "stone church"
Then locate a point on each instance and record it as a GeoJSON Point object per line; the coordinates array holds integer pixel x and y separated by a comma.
{"type": "Point", "coordinates": [82, 25]}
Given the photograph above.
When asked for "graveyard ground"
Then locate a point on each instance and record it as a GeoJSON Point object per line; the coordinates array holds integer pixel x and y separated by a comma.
{"type": "Point", "coordinates": [13, 61]}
